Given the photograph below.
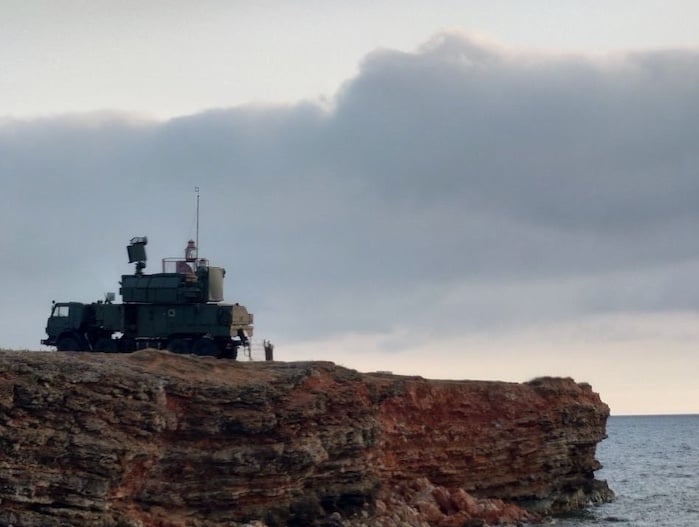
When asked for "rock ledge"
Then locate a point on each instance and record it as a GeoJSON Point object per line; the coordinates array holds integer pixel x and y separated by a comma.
{"type": "Point", "coordinates": [155, 439]}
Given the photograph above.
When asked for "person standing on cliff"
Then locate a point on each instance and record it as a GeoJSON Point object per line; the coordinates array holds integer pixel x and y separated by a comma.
{"type": "Point", "coordinates": [269, 349]}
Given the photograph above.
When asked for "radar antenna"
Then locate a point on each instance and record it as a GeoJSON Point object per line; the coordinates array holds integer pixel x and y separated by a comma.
{"type": "Point", "coordinates": [196, 189]}
{"type": "Point", "coordinates": [136, 250]}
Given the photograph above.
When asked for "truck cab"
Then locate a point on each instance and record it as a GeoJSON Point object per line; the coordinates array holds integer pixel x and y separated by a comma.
{"type": "Point", "coordinates": [64, 324]}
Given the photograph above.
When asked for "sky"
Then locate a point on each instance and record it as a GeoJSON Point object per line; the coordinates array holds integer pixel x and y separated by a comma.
{"type": "Point", "coordinates": [468, 190]}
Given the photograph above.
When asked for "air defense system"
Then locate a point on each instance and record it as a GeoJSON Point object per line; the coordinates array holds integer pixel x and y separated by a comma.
{"type": "Point", "coordinates": [180, 309]}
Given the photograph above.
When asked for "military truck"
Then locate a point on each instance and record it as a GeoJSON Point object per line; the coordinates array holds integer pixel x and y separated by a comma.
{"type": "Point", "coordinates": [179, 309]}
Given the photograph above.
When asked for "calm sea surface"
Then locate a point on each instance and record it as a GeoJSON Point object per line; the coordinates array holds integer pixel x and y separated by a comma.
{"type": "Point", "coordinates": [652, 464]}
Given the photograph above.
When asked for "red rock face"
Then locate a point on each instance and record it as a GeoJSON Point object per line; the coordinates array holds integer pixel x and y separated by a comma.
{"type": "Point", "coordinates": [530, 443]}
{"type": "Point", "coordinates": [154, 439]}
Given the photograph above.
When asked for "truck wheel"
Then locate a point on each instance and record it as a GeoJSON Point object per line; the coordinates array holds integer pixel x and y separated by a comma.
{"type": "Point", "coordinates": [206, 347]}
{"type": "Point", "coordinates": [231, 353]}
{"type": "Point", "coordinates": [227, 349]}
{"type": "Point", "coordinates": [105, 345]}
{"type": "Point", "coordinates": [178, 346]}
{"type": "Point", "coordinates": [127, 345]}
{"type": "Point", "coordinates": [68, 343]}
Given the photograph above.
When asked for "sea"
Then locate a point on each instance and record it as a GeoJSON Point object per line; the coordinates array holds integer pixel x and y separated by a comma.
{"type": "Point", "coordinates": [652, 465]}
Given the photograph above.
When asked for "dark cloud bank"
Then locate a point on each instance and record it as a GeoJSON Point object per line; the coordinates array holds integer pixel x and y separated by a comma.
{"type": "Point", "coordinates": [447, 190]}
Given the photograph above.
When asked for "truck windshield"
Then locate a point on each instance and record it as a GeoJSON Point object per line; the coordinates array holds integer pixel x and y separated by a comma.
{"type": "Point", "coordinates": [60, 311]}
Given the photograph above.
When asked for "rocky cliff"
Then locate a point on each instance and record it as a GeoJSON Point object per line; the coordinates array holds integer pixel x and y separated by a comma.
{"type": "Point", "coordinates": [155, 439]}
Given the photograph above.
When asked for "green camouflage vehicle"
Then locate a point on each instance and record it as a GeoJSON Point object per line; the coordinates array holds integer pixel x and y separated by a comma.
{"type": "Point", "coordinates": [178, 309]}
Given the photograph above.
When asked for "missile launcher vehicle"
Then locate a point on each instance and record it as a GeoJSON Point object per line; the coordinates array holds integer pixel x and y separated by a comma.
{"type": "Point", "coordinates": [180, 309]}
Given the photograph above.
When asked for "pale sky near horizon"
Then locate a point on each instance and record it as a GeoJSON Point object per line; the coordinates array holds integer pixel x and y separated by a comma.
{"type": "Point", "coordinates": [85, 55]}
{"type": "Point", "coordinates": [456, 189]}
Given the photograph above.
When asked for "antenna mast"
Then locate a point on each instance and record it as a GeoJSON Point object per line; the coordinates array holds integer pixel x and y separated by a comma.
{"type": "Point", "coordinates": [196, 189]}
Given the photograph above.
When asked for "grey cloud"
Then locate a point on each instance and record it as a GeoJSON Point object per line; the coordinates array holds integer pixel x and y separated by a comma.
{"type": "Point", "coordinates": [457, 187]}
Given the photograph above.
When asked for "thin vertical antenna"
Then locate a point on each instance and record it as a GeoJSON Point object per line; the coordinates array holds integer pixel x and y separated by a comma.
{"type": "Point", "coordinates": [196, 189]}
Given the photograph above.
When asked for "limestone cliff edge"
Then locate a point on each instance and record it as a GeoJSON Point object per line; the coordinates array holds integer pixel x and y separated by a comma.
{"type": "Point", "coordinates": [155, 439]}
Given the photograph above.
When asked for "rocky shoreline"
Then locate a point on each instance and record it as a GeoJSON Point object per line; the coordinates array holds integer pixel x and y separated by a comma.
{"type": "Point", "coordinates": [156, 439]}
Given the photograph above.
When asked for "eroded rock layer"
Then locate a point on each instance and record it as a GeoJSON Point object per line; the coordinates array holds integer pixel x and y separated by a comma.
{"type": "Point", "coordinates": [155, 439]}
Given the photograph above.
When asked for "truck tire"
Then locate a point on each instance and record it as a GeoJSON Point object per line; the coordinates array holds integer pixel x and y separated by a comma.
{"type": "Point", "coordinates": [105, 345]}
{"type": "Point", "coordinates": [180, 346]}
{"type": "Point", "coordinates": [227, 348]}
{"type": "Point", "coordinates": [127, 345]}
{"type": "Point", "coordinates": [69, 343]}
{"type": "Point", "coordinates": [205, 347]}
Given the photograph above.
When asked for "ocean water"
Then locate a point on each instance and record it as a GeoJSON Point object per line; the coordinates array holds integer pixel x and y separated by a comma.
{"type": "Point", "coordinates": [652, 464]}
